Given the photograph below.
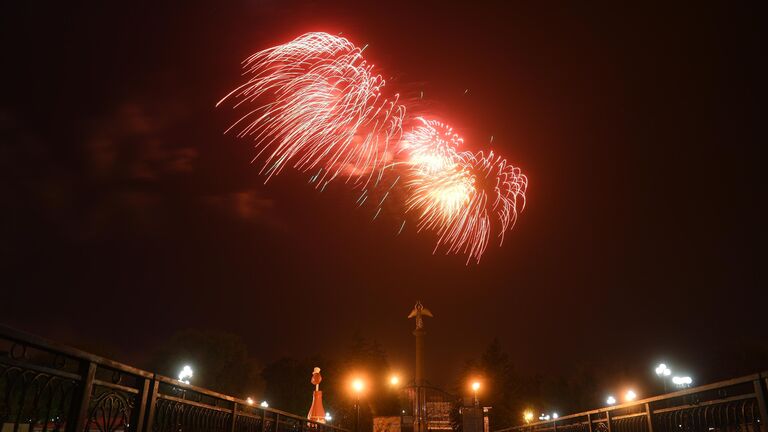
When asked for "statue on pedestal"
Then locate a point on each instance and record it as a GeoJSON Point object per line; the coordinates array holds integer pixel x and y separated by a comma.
{"type": "Point", "coordinates": [316, 411]}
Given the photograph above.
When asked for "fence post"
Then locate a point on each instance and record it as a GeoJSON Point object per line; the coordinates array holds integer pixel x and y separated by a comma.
{"type": "Point", "coordinates": [234, 417]}
{"type": "Point", "coordinates": [80, 407]}
{"type": "Point", "coordinates": [138, 413]}
{"type": "Point", "coordinates": [263, 420]}
{"type": "Point", "coordinates": [589, 421]}
{"type": "Point", "coordinates": [277, 422]}
{"type": "Point", "coordinates": [649, 416]}
{"type": "Point", "coordinates": [760, 393]}
{"type": "Point", "coordinates": [608, 420]}
{"type": "Point", "coordinates": [152, 402]}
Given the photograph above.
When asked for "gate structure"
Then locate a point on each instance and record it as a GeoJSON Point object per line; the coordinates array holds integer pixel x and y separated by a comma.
{"type": "Point", "coordinates": [49, 387]}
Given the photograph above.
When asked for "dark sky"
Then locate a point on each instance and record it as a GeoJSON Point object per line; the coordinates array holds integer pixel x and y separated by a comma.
{"type": "Point", "coordinates": [127, 215]}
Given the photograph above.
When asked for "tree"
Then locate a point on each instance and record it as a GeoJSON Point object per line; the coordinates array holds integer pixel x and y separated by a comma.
{"type": "Point", "coordinates": [503, 389]}
{"type": "Point", "coordinates": [220, 362]}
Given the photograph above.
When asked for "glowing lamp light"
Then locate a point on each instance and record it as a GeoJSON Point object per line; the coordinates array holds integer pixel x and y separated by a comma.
{"type": "Point", "coordinates": [555, 416]}
{"type": "Point", "coordinates": [328, 417]}
{"type": "Point", "coordinates": [528, 416]}
{"type": "Point", "coordinates": [663, 370]}
{"type": "Point", "coordinates": [611, 400]}
{"type": "Point", "coordinates": [476, 386]}
{"type": "Point", "coordinates": [394, 380]}
{"type": "Point", "coordinates": [358, 385]}
{"type": "Point", "coordinates": [630, 395]}
{"type": "Point", "coordinates": [185, 374]}
{"type": "Point", "coordinates": [249, 401]}
{"type": "Point", "coordinates": [264, 404]}
{"type": "Point", "coordinates": [682, 381]}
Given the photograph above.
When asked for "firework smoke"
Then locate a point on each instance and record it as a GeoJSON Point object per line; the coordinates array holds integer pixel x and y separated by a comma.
{"type": "Point", "coordinates": [315, 104]}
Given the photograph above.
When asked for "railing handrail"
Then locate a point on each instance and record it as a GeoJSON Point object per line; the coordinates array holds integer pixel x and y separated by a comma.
{"type": "Point", "coordinates": [35, 341]}
{"type": "Point", "coordinates": [207, 392]}
{"type": "Point", "coordinates": [30, 340]}
{"type": "Point", "coordinates": [666, 396]}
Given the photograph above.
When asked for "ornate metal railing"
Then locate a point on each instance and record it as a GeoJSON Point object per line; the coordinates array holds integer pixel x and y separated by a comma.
{"type": "Point", "coordinates": [734, 405]}
{"type": "Point", "coordinates": [50, 387]}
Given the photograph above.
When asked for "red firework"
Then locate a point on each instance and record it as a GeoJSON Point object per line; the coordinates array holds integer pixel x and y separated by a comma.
{"type": "Point", "coordinates": [462, 196]}
{"type": "Point", "coordinates": [314, 104]}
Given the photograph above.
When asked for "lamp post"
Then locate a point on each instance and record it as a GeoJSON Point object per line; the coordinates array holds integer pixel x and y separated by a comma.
{"type": "Point", "coordinates": [475, 388]}
{"type": "Point", "coordinates": [184, 375]}
{"type": "Point", "coordinates": [662, 371]}
{"type": "Point", "coordinates": [611, 400]}
{"type": "Point", "coordinates": [357, 386]}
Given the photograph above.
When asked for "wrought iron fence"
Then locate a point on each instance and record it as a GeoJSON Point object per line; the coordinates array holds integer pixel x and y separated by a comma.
{"type": "Point", "coordinates": [49, 387]}
{"type": "Point", "coordinates": [727, 406]}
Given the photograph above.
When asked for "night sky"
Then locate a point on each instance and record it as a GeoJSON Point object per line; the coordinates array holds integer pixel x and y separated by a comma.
{"type": "Point", "coordinates": [127, 214]}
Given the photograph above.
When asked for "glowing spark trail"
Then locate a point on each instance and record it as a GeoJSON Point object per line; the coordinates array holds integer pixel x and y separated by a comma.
{"type": "Point", "coordinates": [315, 104]}
{"type": "Point", "coordinates": [458, 194]}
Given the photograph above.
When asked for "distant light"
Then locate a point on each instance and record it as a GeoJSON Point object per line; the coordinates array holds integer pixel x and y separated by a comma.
{"type": "Point", "coordinates": [185, 374]}
{"type": "Point", "coordinates": [555, 416]}
{"type": "Point", "coordinates": [328, 416]}
{"type": "Point", "coordinates": [264, 404]}
{"type": "Point", "coordinates": [358, 385]}
{"type": "Point", "coordinates": [394, 380]}
{"type": "Point", "coordinates": [476, 385]}
{"type": "Point", "coordinates": [249, 401]}
{"type": "Point", "coordinates": [611, 400]}
{"type": "Point", "coordinates": [682, 381]}
{"type": "Point", "coordinates": [663, 370]}
{"type": "Point", "coordinates": [630, 396]}
{"type": "Point", "coordinates": [528, 416]}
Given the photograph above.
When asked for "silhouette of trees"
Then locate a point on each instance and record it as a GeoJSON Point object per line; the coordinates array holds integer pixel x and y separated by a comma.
{"type": "Point", "coordinates": [220, 361]}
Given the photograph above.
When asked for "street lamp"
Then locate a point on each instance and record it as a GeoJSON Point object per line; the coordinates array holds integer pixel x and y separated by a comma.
{"type": "Point", "coordinates": [662, 371]}
{"type": "Point", "coordinates": [357, 386]}
{"type": "Point", "coordinates": [475, 388]}
{"type": "Point", "coordinates": [611, 400]}
{"type": "Point", "coordinates": [264, 404]}
{"type": "Point", "coordinates": [682, 382]}
{"type": "Point", "coordinates": [394, 380]}
{"type": "Point", "coordinates": [249, 401]}
{"type": "Point", "coordinates": [555, 416]}
{"type": "Point", "coordinates": [328, 417]}
{"type": "Point", "coordinates": [185, 374]}
{"type": "Point", "coordinates": [630, 396]}
{"type": "Point", "coordinates": [528, 416]}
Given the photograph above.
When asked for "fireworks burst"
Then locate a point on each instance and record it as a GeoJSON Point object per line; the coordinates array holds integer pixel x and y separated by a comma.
{"type": "Point", "coordinates": [460, 195]}
{"type": "Point", "coordinates": [315, 104]}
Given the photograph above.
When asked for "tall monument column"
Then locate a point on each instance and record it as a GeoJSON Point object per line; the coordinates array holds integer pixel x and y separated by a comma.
{"type": "Point", "coordinates": [418, 312]}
